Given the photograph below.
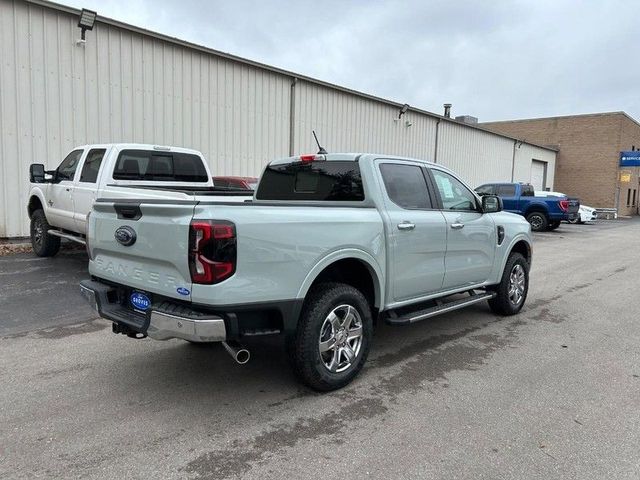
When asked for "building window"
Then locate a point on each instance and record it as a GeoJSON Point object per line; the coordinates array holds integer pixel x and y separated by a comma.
{"type": "Point", "coordinates": [628, 197]}
{"type": "Point", "coordinates": [633, 204]}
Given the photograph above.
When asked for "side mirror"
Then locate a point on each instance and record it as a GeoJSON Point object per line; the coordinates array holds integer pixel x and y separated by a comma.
{"type": "Point", "coordinates": [36, 173]}
{"type": "Point", "coordinates": [491, 204]}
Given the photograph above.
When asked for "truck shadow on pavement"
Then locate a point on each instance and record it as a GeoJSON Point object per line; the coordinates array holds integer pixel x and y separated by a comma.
{"type": "Point", "coordinates": [179, 371]}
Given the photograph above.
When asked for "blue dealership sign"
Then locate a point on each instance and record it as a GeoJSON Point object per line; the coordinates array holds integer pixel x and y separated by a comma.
{"type": "Point", "coordinates": [630, 159]}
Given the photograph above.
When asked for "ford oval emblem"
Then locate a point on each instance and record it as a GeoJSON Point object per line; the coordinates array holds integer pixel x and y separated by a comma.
{"type": "Point", "coordinates": [140, 301]}
{"type": "Point", "coordinates": [125, 235]}
{"type": "Point", "coordinates": [183, 291]}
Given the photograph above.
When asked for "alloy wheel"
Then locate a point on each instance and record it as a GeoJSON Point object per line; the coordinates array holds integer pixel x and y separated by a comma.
{"type": "Point", "coordinates": [340, 338]}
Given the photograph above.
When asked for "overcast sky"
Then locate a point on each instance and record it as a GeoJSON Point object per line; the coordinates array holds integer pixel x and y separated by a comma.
{"type": "Point", "coordinates": [495, 60]}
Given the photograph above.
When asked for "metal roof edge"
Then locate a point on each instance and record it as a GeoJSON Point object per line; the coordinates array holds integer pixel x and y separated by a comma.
{"type": "Point", "coordinates": [143, 31]}
{"type": "Point", "coordinates": [596, 114]}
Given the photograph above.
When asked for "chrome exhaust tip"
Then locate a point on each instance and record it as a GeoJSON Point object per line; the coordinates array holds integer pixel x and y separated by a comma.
{"type": "Point", "coordinates": [240, 354]}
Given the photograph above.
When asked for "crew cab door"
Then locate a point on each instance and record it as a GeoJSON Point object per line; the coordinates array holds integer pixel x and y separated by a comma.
{"type": "Point", "coordinates": [471, 235]}
{"type": "Point", "coordinates": [86, 187]}
{"type": "Point", "coordinates": [60, 193]}
{"type": "Point", "coordinates": [415, 230]}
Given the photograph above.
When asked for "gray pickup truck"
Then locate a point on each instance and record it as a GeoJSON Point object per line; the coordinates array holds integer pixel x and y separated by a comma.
{"type": "Point", "coordinates": [328, 246]}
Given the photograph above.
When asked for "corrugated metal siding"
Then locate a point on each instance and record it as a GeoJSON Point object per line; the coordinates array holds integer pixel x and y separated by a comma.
{"type": "Point", "coordinates": [124, 87]}
{"type": "Point", "coordinates": [525, 154]}
{"type": "Point", "coordinates": [131, 86]}
{"type": "Point", "coordinates": [346, 123]}
{"type": "Point", "coordinates": [479, 157]}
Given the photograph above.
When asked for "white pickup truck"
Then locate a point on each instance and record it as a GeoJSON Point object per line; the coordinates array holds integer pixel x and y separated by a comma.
{"type": "Point", "coordinates": [61, 199]}
{"type": "Point", "coordinates": [328, 245]}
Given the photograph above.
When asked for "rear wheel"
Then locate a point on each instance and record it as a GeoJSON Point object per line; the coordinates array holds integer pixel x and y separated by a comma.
{"type": "Point", "coordinates": [511, 292]}
{"type": "Point", "coordinates": [44, 245]}
{"type": "Point", "coordinates": [331, 343]}
{"type": "Point", "coordinates": [538, 221]}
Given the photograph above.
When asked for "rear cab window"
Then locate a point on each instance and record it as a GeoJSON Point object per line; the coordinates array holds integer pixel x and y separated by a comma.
{"type": "Point", "coordinates": [527, 191]}
{"type": "Point", "coordinates": [159, 166]}
{"type": "Point", "coordinates": [328, 180]}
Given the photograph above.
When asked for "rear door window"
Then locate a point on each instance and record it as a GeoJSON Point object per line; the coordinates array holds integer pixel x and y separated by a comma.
{"type": "Point", "coordinates": [91, 167]}
{"type": "Point", "coordinates": [159, 166]}
{"type": "Point", "coordinates": [406, 185]}
{"type": "Point", "coordinates": [506, 191]}
{"type": "Point", "coordinates": [317, 180]}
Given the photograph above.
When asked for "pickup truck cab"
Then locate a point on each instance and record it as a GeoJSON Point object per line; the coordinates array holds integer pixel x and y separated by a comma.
{"type": "Point", "coordinates": [328, 246]}
{"type": "Point", "coordinates": [543, 213]}
{"type": "Point", "coordinates": [61, 199]}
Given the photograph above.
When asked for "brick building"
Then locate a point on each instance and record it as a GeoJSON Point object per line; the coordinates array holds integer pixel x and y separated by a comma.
{"type": "Point", "coordinates": [588, 160]}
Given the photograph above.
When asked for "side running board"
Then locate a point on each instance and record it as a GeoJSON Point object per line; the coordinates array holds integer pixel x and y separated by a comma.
{"type": "Point", "coordinates": [68, 236]}
{"type": "Point", "coordinates": [416, 316]}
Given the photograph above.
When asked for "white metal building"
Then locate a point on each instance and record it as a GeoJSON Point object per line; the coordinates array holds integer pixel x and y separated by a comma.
{"type": "Point", "coordinates": [127, 84]}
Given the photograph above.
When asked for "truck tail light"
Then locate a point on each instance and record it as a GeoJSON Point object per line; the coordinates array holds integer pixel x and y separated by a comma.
{"type": "Point", "coordinates": [212, 251]}
{"type": "Point", "coordinates": [564, 205]}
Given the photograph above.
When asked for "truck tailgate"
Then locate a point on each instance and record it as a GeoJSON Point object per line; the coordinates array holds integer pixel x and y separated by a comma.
{"type": "Point", "coordinates": [574, 205]}
{"type": "Point", "coordinates": [156, 260]}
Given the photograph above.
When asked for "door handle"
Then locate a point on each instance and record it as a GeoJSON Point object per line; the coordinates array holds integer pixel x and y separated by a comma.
{"type": "Point", "coordinates": [457, 226]}
{"type": "Point", "coordinates": [406, 226]}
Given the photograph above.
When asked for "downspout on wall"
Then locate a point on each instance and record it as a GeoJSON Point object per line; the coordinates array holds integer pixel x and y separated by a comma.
{"type": "Point", "coordinates": [292, 116]}
{"type": "Point", "coordinates": [513, 160]}
{"type": "Point", "coordinates": [435, 148]}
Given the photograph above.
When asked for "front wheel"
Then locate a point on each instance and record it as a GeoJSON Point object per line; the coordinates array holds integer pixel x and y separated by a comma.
{"type": "Point", "coordinates": [512, 290]}
{"type": "Point", "coordinates": [331, 343]}
{"type": "Point", "coordinates": [538, 221]}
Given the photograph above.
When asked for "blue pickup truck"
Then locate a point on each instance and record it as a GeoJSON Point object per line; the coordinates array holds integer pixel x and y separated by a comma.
{"type": "Point", "coordinates": [543, 213]}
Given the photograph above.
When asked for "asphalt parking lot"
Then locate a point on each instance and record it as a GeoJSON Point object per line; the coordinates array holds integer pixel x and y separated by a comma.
{"type": "Point", "coordinates": [553, 392]}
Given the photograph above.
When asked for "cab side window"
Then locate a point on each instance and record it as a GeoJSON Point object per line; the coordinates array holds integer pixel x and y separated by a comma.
{"type": "Point", "coordinates": [405, 185]}
{"type": "Point", "coordinates": [454, 195]}
{"type": "Point", "coordinates": [91, 167]}
{"type": "Point", "coordinates": [67, 168]}
{"type": "Point", "coordinates": [485, 190]}
{"type": "Point", "coordinates": [506, 191]}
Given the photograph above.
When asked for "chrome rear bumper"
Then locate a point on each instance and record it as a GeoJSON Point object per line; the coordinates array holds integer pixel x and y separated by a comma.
{"type": "Point", "coordinates": [163, 321]}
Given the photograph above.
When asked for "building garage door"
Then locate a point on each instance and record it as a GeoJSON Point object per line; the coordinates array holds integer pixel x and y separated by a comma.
{"type": "Point", "coordinates": [538, 174]}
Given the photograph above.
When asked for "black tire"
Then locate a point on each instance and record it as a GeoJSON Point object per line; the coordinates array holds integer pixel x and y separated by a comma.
{"type": "Point", "coordinates": [538, 221]}
{"type": "Point", "coordinates": [503, 303]}
{"type": "Point", "coordinates": [309, 364]}
{"type": "Point", "coordinates": [575, 221]}
{"type": "Point", "coordinates": [44, 245]}
{"type": "Point", "coordinates": [553, 225]}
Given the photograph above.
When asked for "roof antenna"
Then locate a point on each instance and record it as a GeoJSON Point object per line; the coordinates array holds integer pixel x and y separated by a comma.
{"type": "Point", "coordinates": [321, 151]}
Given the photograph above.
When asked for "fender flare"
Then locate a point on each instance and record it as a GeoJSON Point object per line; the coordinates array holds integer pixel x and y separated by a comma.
{"type": "Point", "coordinates": [536, 207]}
{"type": "Point", "coordinates": [368, 260]}
{"type": "Point", "coordinates": [36, 192]}
{"type": "Point", "coordinates": [509, 249]}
